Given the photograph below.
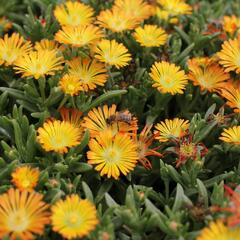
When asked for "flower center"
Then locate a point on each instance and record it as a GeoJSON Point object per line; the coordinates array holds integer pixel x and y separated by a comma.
{"type": "Point", "coordinates": [73, 220]}
{"type": "Point", "coordinates": [187, 149]}
{"type": "Point", "coordinates": [112, 155]}
{"type": "Point", "coordinates": [25, 183]}
{"type": "Point", "coordinates": [18, 221]}
{"type": "Point", "coordinates": [59, 141]}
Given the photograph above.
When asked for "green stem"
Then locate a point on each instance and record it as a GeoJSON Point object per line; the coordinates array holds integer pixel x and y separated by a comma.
{"type": "Point", "coordinates": [73, 102]}
{"type": "Point", "coordinates": [42, 86]}
{"type": "Point", "coordinates": [64, 100]}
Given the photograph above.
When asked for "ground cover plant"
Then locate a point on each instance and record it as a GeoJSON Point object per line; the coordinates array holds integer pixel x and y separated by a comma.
{"type": "Point", "coordinates": [119, 119]}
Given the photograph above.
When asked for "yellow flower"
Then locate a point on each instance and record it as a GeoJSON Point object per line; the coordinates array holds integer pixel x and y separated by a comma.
{"type": "Point", "coordinates": [70, 85]}
{"type": "Point", "coordinates": [218, 231]}
{"type": "Point", "coordinates": [98, 120]}
{"type": "Point", "coordinates": [136, 9]}
{"type": "Point", "coordinates": [231, 24]}
{"type": "Point", "coordinates": [116, 20]}
{"type": "Point", "coordinates": [79, 36]}
{"type": "Point", "coordinates": [168, 129]}
{"type": "Point", "coordinates": [166, 16]}
{"type": "Point", "coordinates": [232, 94]}
{"type": "Point", "coordinates": [231, 135]}
{"type": "Point", "coordinates": [25, 178]}
{"type": "Point", "coordinates": [46, 44]}
{"type": "Point", "coordinates": [74, 217]}
{"type": "Point", "coordinates": [230, 55]}
{"type": "Point", "coordinates": [74, 14]}
{"type": "Point", "coordinates": [168, 78]}
{"type": "Point", "coordinates": [39, 63]}
{"type": "Point", "coordinates": [22, 214]}
{"type": "Point", "coordinates": [207, 74]}
{"type": "Point", "coordinates": [11, 48]}
{"type": "Point", "coordinates": [58, 136]}
{"type": "Point", "coordinates": [89, 72]}
{"type": "Point", "coordinates": [112, 53]}
{"type": "Point", "coordinates": [150, 36]}
{"type": "Point", "coordinates": [112, 155]}
{"type": "Point", "coordinates": [175, 7]}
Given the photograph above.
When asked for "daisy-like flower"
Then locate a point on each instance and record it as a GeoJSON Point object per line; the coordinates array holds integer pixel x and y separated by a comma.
{"type": "Point", "coordinates": [25, 178]}
{"type": "Point", "coordinates": [112, 53]}
{"type": "Point", "coordinates": [207, 74]}
{"type": "Point", "coordinates": [70, 84]}
{"type": "Point", "coordinates": [89, 72]}
{"type": "Point", "coordinates": [150, 36]}
{"type": "Point", "coordinates": [217, 230]}
{"type": "Point", "coordinates": [169, 129]}
{"type": "Point", "coordinates": [112, 155]}
{"type": "Point", "coordinates": [39, 63]}
{"type": "Point", "coordinates": [175, 7]}
{"type": "Point", "coordinates": [116, 20]}
{"type": "Point", "coordinates": [168, 78]}
{"type": "Point", "coordinates": [58, 136]}
{"type": "Point", "coordinates": [11, 48]}
{"type": "Point", "coordinates": [46, 44]}
{"type": "Point", "coordinates": [166, 16]}
{"type": "Point", "coordinates": [135, 9]}
{"type": "Point", "coordinates": [104, 119]}
{"type": "Point", "coordinates": [230, 55]}
{"type": "Point", "coordinates": [231, 24]}
{"type": "Point", "coordinates": [74, 14]}
{"type": "Point", "coordinates": [79, 36]}
{"type": "Point", "coordinates": [231, 135]}
{"type": "Point", "coordinates": [144, 142]}
{"type": "Point", "coordinates": [22, 214]}
{"type": "Point", "coordinates": [232, 94]}
{"type": "Point", "coordinates": [74, 217]}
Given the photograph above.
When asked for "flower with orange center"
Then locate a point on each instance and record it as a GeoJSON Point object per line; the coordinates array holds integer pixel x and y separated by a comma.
{"type": "Point", "coordinates": [171, 129]}
{"type": "Point", "coordinates": [74, 217]}
{"type": "Point", "coordinates": [207, 74]}
{"type": "Point", "coordinates": [231, 92]}
{"type": "Point", "coordinates": [231, 135]}
{"type": "Point", "coordinates": [89, 72]}
{"type": "Point", "coordinates": [116, 20]}
{"type": "Point", "coordinates": [11, 48]}
{"type": "Point", "coordinates": [144, 142]}
{"type": "Point", "coordinates": [25, 178]}
{"type": "Point", "coordinates": [74, 14]}
{"type": "Point", "coordinates": [231, 24]}
{"type": "Point", "coordinates": [39, 63]}
{"type": "Point", "coordinates": [79, 36]}
{"type": "Point", "coordinates": [135, 9]}
{"type": "Point", "coordinates": [168, 78]}
{"type": "Point", "coordinates": [112, 53]}
{"type": "Point", "coordinates": [70, 85]}
{"type": "Point", "coordinates": [230, 55]}
{"type": "Point", "coordinates": [150, 36]}
{"type": "Point", "coordinates": [112, 154]}
{"type": "Point", "coordinates": [107, 118]}
{"type": "Point", "coordinates": [58, 136]}
{"type": "Point", "coordinates": [23, 215]}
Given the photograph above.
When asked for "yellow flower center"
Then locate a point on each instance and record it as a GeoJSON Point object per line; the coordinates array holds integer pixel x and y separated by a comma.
{"type": "Point", "coordinates": [18, 221]}
{"type": "Point", "coordinates": [112, 155]}
{"type": "Point", "coordinates": [73, 220]}
{"type": "Point", "coordinates": [187, 149]}
{"type": "Point", "coordinates": [25, 183]}
{"type": "Point", "coordinates": [59, 141]}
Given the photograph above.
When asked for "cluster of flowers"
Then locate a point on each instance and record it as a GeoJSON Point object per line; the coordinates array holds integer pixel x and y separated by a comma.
{"type": "Point", "coordinates": [115, 146]}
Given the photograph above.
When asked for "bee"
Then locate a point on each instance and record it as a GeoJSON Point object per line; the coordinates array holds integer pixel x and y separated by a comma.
{"type": "Point", "coordinates": [123, 116]}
